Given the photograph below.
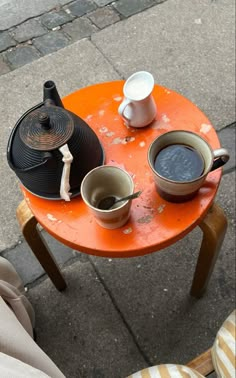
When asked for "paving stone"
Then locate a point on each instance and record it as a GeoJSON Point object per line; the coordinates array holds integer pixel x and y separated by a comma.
{"type": "Point", "coordinates": [227, 137]}
{"type": "Point", "coordinates": [103, 17]}
{"type": "Point", "coordinates": [81, 7]}
{"type": "Point", "coordinates": [6, 41]}
{"type": "Point", "coordinates": [28, 266]}
{"type": "Point", "coordinates": [53, 19]}
{"type": "Point", "coordinates": [28, 30]}
{"type": "Point", "coordinates": [21, 55]}
{"type": "Point", "coordinates": [51, 42]}
{"type": "Point", "coordinates": [102, 3]}
{"type": "Point", "coordinates": [14, 12]}
{"type": "Point", "coordinates": [128, 8]}
{"type": "Point", "coordinates": [4, 68]}
{"type": "Point", "coordinates": [81, 329]}
{"type": "Point", "coordinates": [80, 28]}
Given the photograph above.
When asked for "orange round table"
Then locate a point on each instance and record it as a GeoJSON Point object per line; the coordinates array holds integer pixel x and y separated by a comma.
{"type": "Point", "coordinates": [154, 223]}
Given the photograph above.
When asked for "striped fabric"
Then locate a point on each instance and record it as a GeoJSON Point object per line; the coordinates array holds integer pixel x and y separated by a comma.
{"type": "Point", "coordinates": [167, 371]}
{"type": "Point", "coordinates": [223, 351]}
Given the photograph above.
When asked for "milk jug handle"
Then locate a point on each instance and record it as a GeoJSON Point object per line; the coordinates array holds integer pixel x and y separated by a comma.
{"type": "Point", "coordinates": [122, 107]}
{"type": "Point", "coordinates": [221, 156]}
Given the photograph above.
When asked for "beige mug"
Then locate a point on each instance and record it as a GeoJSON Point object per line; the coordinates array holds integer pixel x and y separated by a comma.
{"type": "Point", "coordinates": [186, 154]}
{"type": "Point", "coordinates": [102, 182]}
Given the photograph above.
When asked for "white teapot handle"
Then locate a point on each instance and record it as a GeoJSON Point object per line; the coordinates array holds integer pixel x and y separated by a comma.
{"type": "Point", "coordinates": [65, 177]}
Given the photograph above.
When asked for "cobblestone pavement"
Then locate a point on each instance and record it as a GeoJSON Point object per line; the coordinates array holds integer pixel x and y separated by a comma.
{"type": "Point", "coordinates": [42, 34]}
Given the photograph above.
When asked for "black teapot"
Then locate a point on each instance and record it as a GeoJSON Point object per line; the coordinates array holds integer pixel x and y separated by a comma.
{"type": "Point", "coordinates": [51, 149]}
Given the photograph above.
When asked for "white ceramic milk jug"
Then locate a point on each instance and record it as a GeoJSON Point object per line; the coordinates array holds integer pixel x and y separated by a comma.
{"type": "Point", "coordinates": [138, 108]}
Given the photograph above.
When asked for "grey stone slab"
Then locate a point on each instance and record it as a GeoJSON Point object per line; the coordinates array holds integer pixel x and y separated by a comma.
{"type": "Point", "coordinates": [187, 46]}
{"type": "Point", "coordinates": [226, 198]}
{"type": "Point", "coordinates": [152, 294]}
{"type": "Point", "coordinates": [81, 329]}
{"type": "Point", "coordinates": [9, 230]}
{"type": "Point", "coordinates": [227, 137]}
{"type": "Point", "coordinates": [24, 262]}
{"type": "Point", "coordinates": [80, 28]}
{"type": "Point", "coordinates": [102, 3]}
{"type": "Point", "coordinates": [51, 42]}
{"type": "Point", "coordinates": [28, 30]}
{"type": "Point", "coordinates": [103, 17]}
{"type": "Point", "coordinates": [80, 7]}
{"type": "Point", "coordinates": [28, 266]}
{"type": "Point", "coordinates": [21, 55]}
{"type": "Point", "coordinates": [53, 19]}
{"type": "Point", "coordinates": [6, 41]}
{"type": "Point", "coordinates": [128, 8]}
{"type": "Point", "coordinates": [13, 12]}
{"type": "Point", "coordinates": [4, 68]}
{"type": "Point", "coordinates": [73, 67]}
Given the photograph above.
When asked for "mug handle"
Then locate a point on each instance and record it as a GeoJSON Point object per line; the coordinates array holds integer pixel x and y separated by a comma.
{"type": "Point", "coordinates": [122, 107]}
{"type": "Point", "coordinates": [221, 156]}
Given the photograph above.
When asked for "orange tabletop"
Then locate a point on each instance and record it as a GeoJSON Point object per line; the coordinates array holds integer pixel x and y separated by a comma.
{"type": "Point", "coordinates": [154, 223]}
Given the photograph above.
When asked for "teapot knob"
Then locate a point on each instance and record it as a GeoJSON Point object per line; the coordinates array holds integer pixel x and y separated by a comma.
{"type": "Point", "coordinates": [44, 120]}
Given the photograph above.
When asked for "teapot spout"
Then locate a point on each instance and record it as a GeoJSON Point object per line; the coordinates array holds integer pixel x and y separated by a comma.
{"type": "Point", "coordinates": [50, 94]}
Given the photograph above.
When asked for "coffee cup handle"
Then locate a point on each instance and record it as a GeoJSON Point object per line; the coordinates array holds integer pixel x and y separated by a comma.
{"type": "Point", "coordinates": [122, 107]}
{"type": "Point", "coordinates": [221, 156]}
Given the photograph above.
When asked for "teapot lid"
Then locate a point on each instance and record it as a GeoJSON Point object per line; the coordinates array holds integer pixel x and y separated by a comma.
{"type": "Point", "coordinates": [46, 128]}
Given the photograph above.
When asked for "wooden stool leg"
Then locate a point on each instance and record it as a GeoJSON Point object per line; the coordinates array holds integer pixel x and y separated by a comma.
{"type": "Point", "coordinates": [214, 227]}
{"type": "Point", "coordinates": [28, 225]}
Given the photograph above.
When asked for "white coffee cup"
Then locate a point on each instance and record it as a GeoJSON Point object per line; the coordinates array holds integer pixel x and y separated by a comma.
{"type": "Point", "coordinates": [102, 182]}
{"type": "Point", "coordinates": [138, 107]}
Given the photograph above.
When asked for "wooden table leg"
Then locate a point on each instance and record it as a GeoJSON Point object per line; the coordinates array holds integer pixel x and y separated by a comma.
{"type": "Point", "coordinates": [214, 227]}
{"type": "Point", "coordinates": [38, 245]}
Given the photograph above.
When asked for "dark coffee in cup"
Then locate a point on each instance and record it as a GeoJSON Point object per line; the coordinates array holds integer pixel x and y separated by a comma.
{"type": "Point", "coordinates": [179, 162]}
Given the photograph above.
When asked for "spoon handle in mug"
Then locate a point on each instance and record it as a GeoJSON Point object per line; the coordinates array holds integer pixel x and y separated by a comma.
{"type": "Point", "coordinates": [131, 196]}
